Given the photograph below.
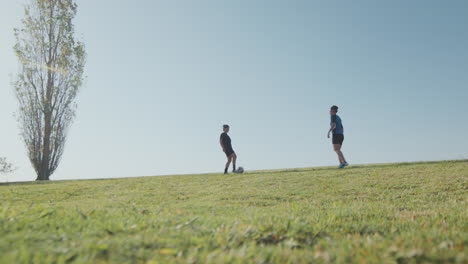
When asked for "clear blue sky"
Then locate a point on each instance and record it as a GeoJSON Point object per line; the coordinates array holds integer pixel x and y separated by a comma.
{"type": "Point", "coordinates": [163, 76]}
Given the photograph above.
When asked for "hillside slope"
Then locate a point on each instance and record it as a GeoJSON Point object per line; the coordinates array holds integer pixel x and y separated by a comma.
{"type": "Point", "coordinates": [392, 213]}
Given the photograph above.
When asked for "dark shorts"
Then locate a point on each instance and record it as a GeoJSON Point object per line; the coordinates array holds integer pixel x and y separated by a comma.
{"type": "Point", "coordinates": [338, 139]}
{"type": "Point", "coordinates": [229, 152]}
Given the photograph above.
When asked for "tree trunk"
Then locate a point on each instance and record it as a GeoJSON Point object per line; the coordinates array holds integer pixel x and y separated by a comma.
{"type": "Point", "coordinates": [44, 171]}
{"type": "Point", "coordinates": [45, 163]}
{"type": "Point", "coordinates": [45, 166]}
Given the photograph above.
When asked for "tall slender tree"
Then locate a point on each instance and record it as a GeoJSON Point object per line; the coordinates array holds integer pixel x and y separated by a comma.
{"type": "Point", "coordinates": [50, 75]}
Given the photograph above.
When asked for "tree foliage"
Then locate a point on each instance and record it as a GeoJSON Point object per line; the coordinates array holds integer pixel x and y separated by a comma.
{"type": "Point", "coordinates": [50, 75]}
{"type": "Point", "coordinates": [5, 167]}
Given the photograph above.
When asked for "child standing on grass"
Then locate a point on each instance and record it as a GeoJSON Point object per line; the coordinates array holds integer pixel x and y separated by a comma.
{"type": "Point", "coordinates": [225, 142]}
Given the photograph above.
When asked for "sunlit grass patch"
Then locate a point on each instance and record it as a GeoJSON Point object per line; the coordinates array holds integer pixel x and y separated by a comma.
{"type": "Point", "coordinates": [388, 213]}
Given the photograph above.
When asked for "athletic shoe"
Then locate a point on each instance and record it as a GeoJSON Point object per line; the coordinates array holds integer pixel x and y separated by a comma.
{"type": "Point", "coordinates": [341, 166]}
{"type": "Point", "coordinates": [345, 164]}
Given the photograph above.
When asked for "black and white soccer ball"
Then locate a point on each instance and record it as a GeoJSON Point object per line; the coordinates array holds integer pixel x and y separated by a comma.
{"type": "Point", "coordinates": [240, 170]}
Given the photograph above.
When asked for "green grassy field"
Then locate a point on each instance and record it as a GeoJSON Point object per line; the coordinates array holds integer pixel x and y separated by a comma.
{"type": "Point", "coordinates": [393, 213]}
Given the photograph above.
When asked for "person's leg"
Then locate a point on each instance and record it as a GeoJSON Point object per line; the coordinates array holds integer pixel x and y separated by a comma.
{"type": "Point", "coordinates": [341, 153]}
{"type": "Point", "coordinates": [234, 158]}
{"type": "Point", "coordinates": [342, 157]}
{"type": "Point", "coordinates": [337, 148]}
{"type": "Point", "coordinates": [227, 164]}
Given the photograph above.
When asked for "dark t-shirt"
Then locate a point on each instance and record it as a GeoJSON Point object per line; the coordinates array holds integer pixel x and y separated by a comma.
{"type": "Point", "coordinates": [226, 140]}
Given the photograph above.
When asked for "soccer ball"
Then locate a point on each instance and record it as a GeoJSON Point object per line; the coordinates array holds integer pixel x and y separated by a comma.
{"type": "Point", "coordinates": [240, 170]}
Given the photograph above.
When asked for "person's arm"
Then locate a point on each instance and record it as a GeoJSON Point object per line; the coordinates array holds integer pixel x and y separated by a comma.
{"type": "Point", "coordinates": [333, 126]}
{"type": "Point", "coordinates": [222, 144]}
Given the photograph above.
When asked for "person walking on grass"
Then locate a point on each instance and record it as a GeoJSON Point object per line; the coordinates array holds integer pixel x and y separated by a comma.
{"type": "Point", "coordinates": [336, 127]}
{"type": "Point", "coordinates": [225, 142]}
